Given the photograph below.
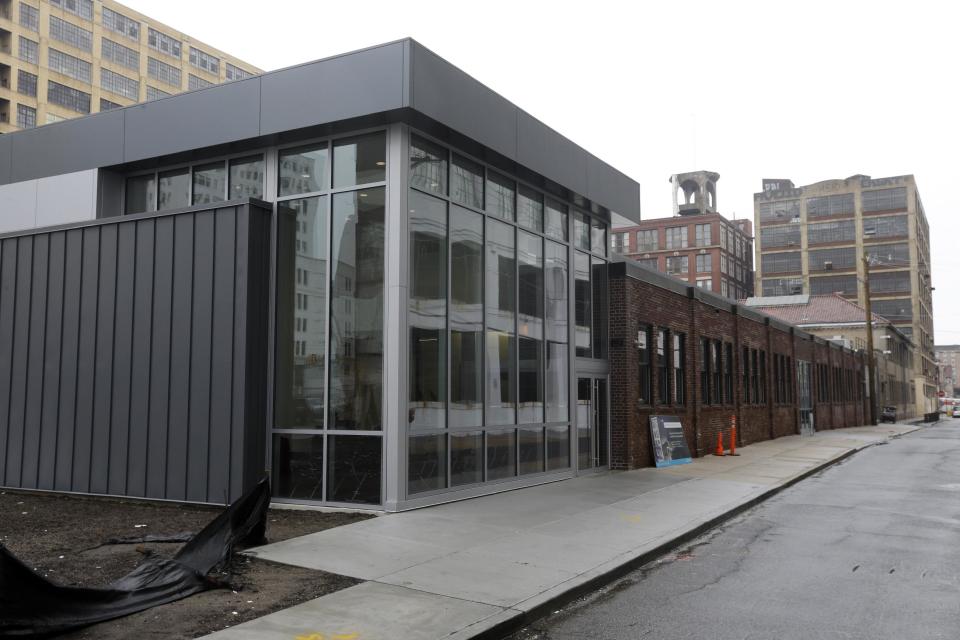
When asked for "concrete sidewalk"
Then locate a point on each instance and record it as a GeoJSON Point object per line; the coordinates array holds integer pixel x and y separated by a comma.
{"type": "Point", "coordinates": [486, 565]}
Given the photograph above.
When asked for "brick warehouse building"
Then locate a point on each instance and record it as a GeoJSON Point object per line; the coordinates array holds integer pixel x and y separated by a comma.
{"type": "Point", "coordinates": [773, 377]}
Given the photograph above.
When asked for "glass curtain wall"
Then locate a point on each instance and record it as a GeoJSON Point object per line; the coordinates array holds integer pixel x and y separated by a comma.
{"type": "Point", "coordinates": [489, 331]}
{"type": "Point", "coordinates": [327, 436]}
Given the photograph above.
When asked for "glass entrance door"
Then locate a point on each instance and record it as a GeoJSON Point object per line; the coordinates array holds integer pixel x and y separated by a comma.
{"type": "Point", "coordinates": [592, 440]}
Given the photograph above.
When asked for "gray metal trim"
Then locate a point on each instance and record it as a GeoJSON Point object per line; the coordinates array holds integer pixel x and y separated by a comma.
{"type": "Point", "coordinates": [396, 81]}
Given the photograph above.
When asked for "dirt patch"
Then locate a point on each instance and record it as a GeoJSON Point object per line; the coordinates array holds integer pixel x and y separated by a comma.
{"type": "Point", "coordinates": [62, 537]}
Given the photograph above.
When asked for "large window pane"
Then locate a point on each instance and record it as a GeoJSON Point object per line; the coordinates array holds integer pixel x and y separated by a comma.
{"type": "Point", "coordinates": [501, 454]}
{"type": "Point", "coordinates": [780, 262]}
{"type": "Point", "coordinates": [530, 254]}
{"type": "Point", "coordinates": [530, 380]}
{"type": "Point", "coordinates": [427, 315]}
{"type": "Point", "coordinates": [557, 382]}
{"type": "Point", "coordinates": [501, 192]}
{"type": "Point", "coordinates": [353, 469]}
{"type": "Point", "coordinates": [466, 458]}
{"type": "Point", "coordinates": [356, 314]}
{"type": "Point", "coordinates": [301, 314]}
{"type": "Point", "coordinates": [174, 189]}
{"type": "Point", "coordinates": [303, 170]}
{"type": "Point", "coordinates": [466, 378]}
{"type": "Point", "coordinates": [558, 448]}
{"type": "Point", "coordinates": [584, 424]}
{"type": "Point", "coordinates": [530, 209]}
{"type": "Point", "coordinates": [583, 300]}
{"type": "Point", "coordinates": [360, 160]}
{"type": "Point", "coordinates": [555, 281]}
{"type": "Point", "coordinates": [599, 329]}
{"type": "Point", "coordinates": [298, 466]}
{"type": "Point", "coordinates": [466, 182]}
{"type": "Point", "coordinates": [531, 450]}
{"type": "Point", "coordinates": [209, 183]}
{"type": "Point", "coordinates": [598, 235]}
{"type": "Point", "coordinates": [501, 276]}
{"type": "Point", "coordinates": [246, 177]}
{"type": "Point", "coordinates": [556, 220]}
{"type": "Point", "coordinates": [466, 317]}
{"type": "Point", "coordinates": [428, 166]}
{"type": "Point", "coordinates": [581, 231]}
{"type": "Point", "coordinates": [427, 466]}
{"type": "Point", "coordinates": [141, 194]}
{"type": "Point", "coordinates": [501, 382]}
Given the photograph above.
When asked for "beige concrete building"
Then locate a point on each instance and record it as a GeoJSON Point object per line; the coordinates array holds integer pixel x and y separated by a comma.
{"type": "Point", "coordinates": [811, 240]}
{"type": "Point", "coordinates": [948, 362]}
{"type": "Point", "coordinates": [64, 58]}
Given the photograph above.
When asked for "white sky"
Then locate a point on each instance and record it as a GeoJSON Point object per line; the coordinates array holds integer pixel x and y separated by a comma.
{"type": "Point", "coordinates": [801, 90]}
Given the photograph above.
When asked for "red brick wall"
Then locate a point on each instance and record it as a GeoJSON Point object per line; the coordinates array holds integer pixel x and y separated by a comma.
{"type": "Point", "coordinates": [636, 302]}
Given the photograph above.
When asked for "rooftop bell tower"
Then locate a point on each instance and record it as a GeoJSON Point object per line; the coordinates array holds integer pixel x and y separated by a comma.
{"type": "Point", "coordinates": [699, 192]}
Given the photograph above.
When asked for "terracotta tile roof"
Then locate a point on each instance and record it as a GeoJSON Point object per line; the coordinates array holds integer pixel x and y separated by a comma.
{"type": "Point", "coordinates": [811, 310]}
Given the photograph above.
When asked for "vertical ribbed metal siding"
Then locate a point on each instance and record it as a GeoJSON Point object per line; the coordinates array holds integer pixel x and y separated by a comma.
{"type": "Point", "coordinates": [133, 355]}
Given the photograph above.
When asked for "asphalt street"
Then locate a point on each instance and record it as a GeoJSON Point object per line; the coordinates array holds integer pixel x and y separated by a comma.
{"type": "Point", "coordinates": [869, 548]}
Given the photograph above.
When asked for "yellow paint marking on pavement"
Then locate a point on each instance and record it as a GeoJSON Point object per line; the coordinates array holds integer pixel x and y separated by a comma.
{"type": "Point", "coordinates": [336, 636]}
{"type": "Point", "coordinates": [634, 518]}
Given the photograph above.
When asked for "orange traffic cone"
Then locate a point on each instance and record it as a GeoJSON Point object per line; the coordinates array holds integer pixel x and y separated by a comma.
{"type": "Point", "coordinates": [719, 451]}
{"type": "Point", "coordinates": [733, 440]}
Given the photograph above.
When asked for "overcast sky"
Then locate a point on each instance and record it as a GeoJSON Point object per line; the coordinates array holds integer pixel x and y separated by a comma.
{"type": "Point", "coordinates": [801, 90]}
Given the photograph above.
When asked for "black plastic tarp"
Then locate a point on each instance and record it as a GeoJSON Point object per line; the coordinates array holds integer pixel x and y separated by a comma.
{"type": "Point", "coordinates": [32, 606]}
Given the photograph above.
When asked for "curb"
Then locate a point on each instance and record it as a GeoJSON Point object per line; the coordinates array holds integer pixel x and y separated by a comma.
{"type": "Point", "coordinates": [525, 618]}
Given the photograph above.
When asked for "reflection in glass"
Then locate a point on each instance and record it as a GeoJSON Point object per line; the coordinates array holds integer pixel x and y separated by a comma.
{"type": "Point", "coordinates": [599, 236]}
{"type": "Point", "coordinates": [466, 182]}
{"type": "Point", "coordinates": [531, 450]}
{"type": "Point", "coordinates": [599, 287]}
{"type": "Point", "coordinates": [466, 458]}
{"type": "Point", "coordinates": [581, 231]}
{"type": "Point", "coordinates": [303, 170]}
{"type": "Point", "coordinates": [558, 448]}
{"type": "Point", "coordinates": [174, 189]}
{"type": "Point", "coordinates": [584, 423]}
{"type": "Point", "coordinates": [141, 194]}
{"type": "Point", "coordinates": [427, 466]}
{"type": "Point", "coordinates": [582, 300]}
{"type": "Point", "coordinates": [246, 177]}
{"type": "Point", "coordinates": [466, 318]}
{"type": "Point", "coordinates": [530, 209]}
{"type": "Point", "coordinates": [501, 394]}
{"type": "Point", "coordinates": [427, 311]}
{"type": "Point", "coordinates": [298, 466]}
{"type": "Point", "coordinates": [428, 166]}
{"type": "Point", "coordinates": [500, 196]}
{"type": "Point", "coordinates": [356, 313]}
{"type": "Point", "coordinates": [501, 455]}
{"type": "Point", "coordinates": [360, 160]}
{"type": "Point", "coordinates": [301, 314]}
{"type": "Point", "coordinates": [530, 340]}
{"type": "Point", "coordinates": [209, 183]}
{"type": "Point", "coordinates": [558, 365]}
{"type": "Point", "coordinates": [555, 282]}
{"type": "Point", "coordinates": [501, 276]}
{"type": "Point", "coordinates": [556, 220]}
{"type": "Point", "coordinates": [530, 379]}
{"type": "Point", "coordinates": [353, 470]}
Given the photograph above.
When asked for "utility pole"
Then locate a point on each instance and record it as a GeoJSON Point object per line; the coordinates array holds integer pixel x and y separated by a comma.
{"type": "Point", "coordinates": [871, 359]}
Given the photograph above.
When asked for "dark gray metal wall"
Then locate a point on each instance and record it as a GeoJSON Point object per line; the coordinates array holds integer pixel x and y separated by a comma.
{"type": "Point", "coordinates": [133, 355]}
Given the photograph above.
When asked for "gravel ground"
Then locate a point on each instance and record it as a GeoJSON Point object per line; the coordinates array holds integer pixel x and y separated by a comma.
{"type": "Point", "coordinates": [62, 538]}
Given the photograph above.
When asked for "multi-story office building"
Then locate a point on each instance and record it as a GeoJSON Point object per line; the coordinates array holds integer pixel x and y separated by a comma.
{"type": "Point", "coordinates": [948, 363]}
{"type": "Point", "coordinates": [63, 58]}
{"type": "Point", "coordinates": [696, 244]}
{"type": "Point", "coordinates": [812, 239]}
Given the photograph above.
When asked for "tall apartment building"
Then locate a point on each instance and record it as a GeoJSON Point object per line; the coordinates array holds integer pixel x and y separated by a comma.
{"type": "Point", "coordinates": [696, 244]}
{"type": "Point", "coordinates": [812, 239]}
{"type": "Point", "coordinates": [63, 58]}
{"type": "Point", "coordinates": [948, 362]}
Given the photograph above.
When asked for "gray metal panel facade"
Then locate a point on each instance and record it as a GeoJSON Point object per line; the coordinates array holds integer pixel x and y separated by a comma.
{"type": "Point", "coordinates": [197, 119]}
{"type": "Point", "coordinates": [6, 159]}
{"type": "Point", "coordinates": [65, 147]}
{"type": "Point", "coordinates": [133, 355]}
{"type": "Point", "coordinates": [563, 161]}
{"type": "Point", "coordinates": [349, 86]}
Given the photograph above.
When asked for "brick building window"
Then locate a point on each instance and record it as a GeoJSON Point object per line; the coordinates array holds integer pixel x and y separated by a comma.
{"type": "Point", "coordinates": [678, 264]}
{"type": "Point", "coordinates": [761, 387]}
{"type": "Point", "coordinates": [728, 372]}
{"type": "Point", "coordinates": [679, 367]}
{"type": "Point", "coordinates": [644, 373]}
{"type": "Point", "coordinates": [716, 356]}
{"type": "Point", "coordinates": [647, 240]}
{"type": "Point", "coordinates": [703, 235]}
{"type": "Point", "coordinates": [663, 366]}
{"type": "Point", "coordinates": [745, 372]}
{"type": "Point", "coordinates": [676, 237]}
{"type": "Point", "coordinates": [704, 263]}
{"type": "Point", "coordinates": [705, 349]}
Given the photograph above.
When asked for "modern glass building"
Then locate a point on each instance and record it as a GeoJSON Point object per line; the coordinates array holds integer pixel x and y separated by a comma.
{"type": "Point", "coordinates": [438, 296]}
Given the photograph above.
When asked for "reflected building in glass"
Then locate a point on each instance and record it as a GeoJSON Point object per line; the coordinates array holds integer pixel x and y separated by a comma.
{"type": "Point", "coordinates": [437, 326]}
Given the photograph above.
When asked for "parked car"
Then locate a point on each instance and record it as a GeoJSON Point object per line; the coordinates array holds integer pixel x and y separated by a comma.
{"type": "Point", "coordinates": [888, 414]}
